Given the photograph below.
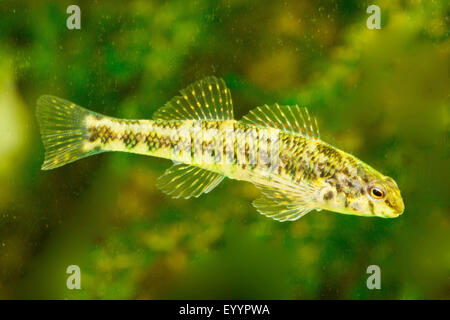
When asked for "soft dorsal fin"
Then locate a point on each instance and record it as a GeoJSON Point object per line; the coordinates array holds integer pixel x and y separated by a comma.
{"type": "Point", "coordinates": [206, 99]}
{"type": "Point", "coordinates": [185, 181]}
{"type": "Point", "coordinates": [292, 119]}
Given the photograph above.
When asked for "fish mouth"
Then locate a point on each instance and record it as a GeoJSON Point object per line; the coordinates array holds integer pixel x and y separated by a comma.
{"type": "Point", "coordinates": [395, 211]}
{"type": "Point", "coordinates": [398, 209]}
{"type": "Point", "coordinates": [400, 205]}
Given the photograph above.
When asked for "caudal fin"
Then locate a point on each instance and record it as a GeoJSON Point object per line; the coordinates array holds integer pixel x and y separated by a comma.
{"type": "Point", "coordinates": [63, 131]}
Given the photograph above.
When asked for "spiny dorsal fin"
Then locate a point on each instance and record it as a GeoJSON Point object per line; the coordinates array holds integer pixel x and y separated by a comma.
{"type": "Point", "coordinates": [292, 119]}
{"type": "Point", "coordinates": [206, 99]}
{"type": "Point", "coordinates": [185, 181]}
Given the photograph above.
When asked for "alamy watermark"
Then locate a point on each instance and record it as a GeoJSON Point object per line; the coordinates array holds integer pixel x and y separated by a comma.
{"type": "Point", "coordinates": [198, 144]}
{"type": "Point", "coordinates": [74, 20]}
{"type": "Point", "coordinates": [74, 280]}
{"type": "Point", "coordinates": [374, 20]}
{"type": "Point", "coordinates": [374, 280]}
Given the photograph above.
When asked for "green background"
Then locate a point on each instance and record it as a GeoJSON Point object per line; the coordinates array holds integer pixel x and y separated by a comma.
{"type": "Point", "coordinates": [382, 95]}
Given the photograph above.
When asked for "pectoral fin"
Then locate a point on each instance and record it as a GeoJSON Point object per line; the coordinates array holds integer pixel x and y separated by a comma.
{"type": "Point", "coordinates": [185, 181]}
{"type": "Point", "coordinates": [280, 210]}
{"type": "Point", "coordinates": [284, 200]}
{"type": "Point", "coordinates": [281, 206]}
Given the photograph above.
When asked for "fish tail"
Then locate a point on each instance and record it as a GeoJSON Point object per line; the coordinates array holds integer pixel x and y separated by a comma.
{"type": "Point", "coordinates": [63, 130]}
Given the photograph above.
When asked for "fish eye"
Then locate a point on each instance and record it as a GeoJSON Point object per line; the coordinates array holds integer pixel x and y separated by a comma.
{"type": "Point", "coordinates": [377, 193]}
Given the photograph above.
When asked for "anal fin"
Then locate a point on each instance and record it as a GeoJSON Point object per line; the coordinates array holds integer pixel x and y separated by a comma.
{"type": "Point", "coordinates": [186, 181]}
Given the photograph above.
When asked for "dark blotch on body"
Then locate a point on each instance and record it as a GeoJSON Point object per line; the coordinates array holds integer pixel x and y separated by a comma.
{"type": "Point", "coordinates": [328, 196]}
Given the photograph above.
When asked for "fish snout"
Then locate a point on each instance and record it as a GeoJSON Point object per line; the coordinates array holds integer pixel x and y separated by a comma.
{"type": "Point", "coordinates": [394, 200]}
{"type": "Point", "coordinates": [399, 207]}
{"type": "Point", "coordinates": [396, 207]}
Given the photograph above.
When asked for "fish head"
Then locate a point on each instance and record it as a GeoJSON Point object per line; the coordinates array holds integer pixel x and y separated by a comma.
{"type": "Point", "coordinates": [385, 197]}
{"type": "Point", "coordinates": [370, 195]}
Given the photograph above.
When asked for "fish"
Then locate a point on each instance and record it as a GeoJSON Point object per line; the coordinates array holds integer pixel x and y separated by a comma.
{"type": "Point", "coordinates": [277, 148]}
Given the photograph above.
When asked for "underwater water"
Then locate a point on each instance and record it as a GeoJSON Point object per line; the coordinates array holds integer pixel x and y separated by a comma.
{"type": "Point", "coordinates": [380, 94]}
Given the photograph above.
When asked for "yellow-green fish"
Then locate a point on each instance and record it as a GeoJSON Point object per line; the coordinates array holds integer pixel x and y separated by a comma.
{"type": "Point", "coordinates": [277, 148]}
